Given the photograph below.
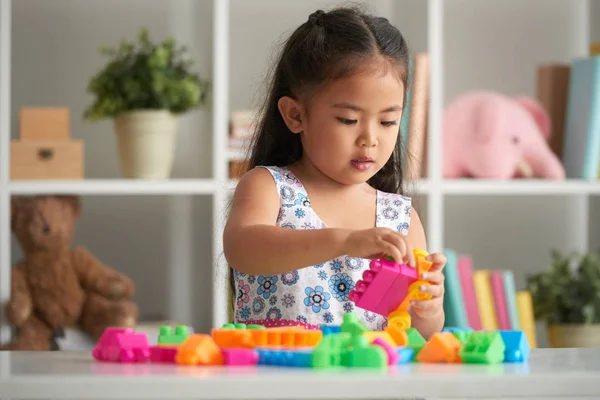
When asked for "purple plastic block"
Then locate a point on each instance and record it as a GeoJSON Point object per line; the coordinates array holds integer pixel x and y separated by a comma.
{"type": "Point", "coordinates": [122, 345]}
{"type": "Point", "coordinates": [240, 356]}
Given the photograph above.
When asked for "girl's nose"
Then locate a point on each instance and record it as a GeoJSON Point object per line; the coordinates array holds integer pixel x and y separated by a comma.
{"type": "Point", "coordinates": [367, 139]}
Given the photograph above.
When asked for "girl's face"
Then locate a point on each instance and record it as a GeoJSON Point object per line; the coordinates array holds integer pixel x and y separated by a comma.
{"type": "Point", "coordinates": [352, 125]}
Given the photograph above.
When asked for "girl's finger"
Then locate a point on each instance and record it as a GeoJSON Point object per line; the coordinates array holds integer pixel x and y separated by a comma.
{"type": "Point", "coordinates": [438, 261]}
{"type": "Point", "coordinates": [428, 305]}
{"type": "Point", "coordinates": [434, 290]}
{"type": "Point", "coordinates": [436, 277]}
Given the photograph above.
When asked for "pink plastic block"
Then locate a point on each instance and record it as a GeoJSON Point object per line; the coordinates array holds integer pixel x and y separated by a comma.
{"type": "Point", "coordinates": [122, 345]}
{"type": "Point", "coordinates": [240, 356]}
{"type": "Point", "coordinates": [393, 356]}
{"type": "Point", "coordinates": [371, 293]}
{"type": "Point", "coordinates": [398, 291]}
{"type": "Point", "coordinates": [163, 354]}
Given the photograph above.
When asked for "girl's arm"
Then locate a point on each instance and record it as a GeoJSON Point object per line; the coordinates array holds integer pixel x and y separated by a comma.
{"type": "Point", "coordinates": [426, 326]}
{"type": "Point", "coordinates": [252, 242]}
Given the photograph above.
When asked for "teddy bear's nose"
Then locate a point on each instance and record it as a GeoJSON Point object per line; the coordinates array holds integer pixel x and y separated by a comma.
{"type": "Point", "coordinates": [46, 229]}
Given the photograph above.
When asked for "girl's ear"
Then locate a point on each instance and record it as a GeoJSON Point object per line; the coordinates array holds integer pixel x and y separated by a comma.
{"type": "Point", "coordinates": [291, 111]}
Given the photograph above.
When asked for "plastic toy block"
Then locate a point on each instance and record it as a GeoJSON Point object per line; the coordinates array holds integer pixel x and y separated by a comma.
{"type": "Point", "coordinates": [283, 358]}
{"type": "Point", "coordinates": [399, 319]}
{"type": "Point", "coordinates": [233, 338]}
{"type": "Point", "coordinates": [423, 265]}
{"type": "Point", "coordinates": [405, 354]}
{"type": "Point", "coordinates": [483, 348]}
{"type": "Point", "coordinates": [292, 337]}
{"type": "Point", "coordinates": [242, 326]}
{"type": "Point", "coordinates": [516, 345]}
{"type": "Point", "coordinates": [416, 341]}
{"type": "Point", "coordinates": [352, 325]}
{"type": "Point", "coordinates": [328, 330]}
{"type": "Point", "coordinates": [453, 329]}
{"type": "Point", "coordinates": [383, 335]}
{"type": "Point", "coordinates": [169, 337]}
{"type": "Point", "coordinates": [462, 336]}
{"type": "Point", "coordinates": [199, 349]}
{"type": "Point", "coordinates": [442, 347]}
{"type": "Point", "coordinates": [392, 356]}
{"type": "Point", "coordinates": [398, 335]}
{"type": "Point", "coordinates": [332, 351]}
{"type": "Point", "coordinates": [240, 356]}
{"type": "Point", "coordinates": [414, 291]}
{"type": "Point", "coordinates": [364, 355]}
{"type": "Point", "coordinates": [163, 354]}
{"type": "Point", "coordinates": [122, 345]}
{"type": "Point", "coordinates": [383, 286]}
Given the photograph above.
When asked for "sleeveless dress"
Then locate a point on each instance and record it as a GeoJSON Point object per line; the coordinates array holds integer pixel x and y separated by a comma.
{"type": "Point", "coordinates": [317, 295]}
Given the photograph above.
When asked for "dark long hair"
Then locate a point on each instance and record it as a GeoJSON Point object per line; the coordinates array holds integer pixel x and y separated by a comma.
{"type": "Point", "coordinates": [328, 46]}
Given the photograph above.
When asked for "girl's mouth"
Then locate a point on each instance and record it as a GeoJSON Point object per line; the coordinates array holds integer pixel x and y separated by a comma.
{"type": "Point", "coordinates": [362, 164]}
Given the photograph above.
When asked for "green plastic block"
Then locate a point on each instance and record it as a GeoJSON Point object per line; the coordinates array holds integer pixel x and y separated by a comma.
{"type": "Point", "coordinates": [483, 348]}
{"type": "Point", "coordinates": [228, 326]}
{"type": "Point", "coordinates": [331, 352]}
{"type": "Point", "coordinates": [235, 326]}
{"type": "Point", "coordinates": [462, 336]}
{"type": "Point", "coordinates": [364, 355]}
{"type": "Point", "coordinates": [168, 336]}
{"type": "Point", "coordinates": [255, 326]}
{"type": "Point", "coordinates": [352, 325]}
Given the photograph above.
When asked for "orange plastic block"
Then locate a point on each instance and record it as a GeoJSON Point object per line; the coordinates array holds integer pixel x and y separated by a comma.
{"type": "Point", "coordinates": [398, 335]}
{"type": "Point", "coordinates": [290, 337]}
{"type": "Point", "coordinates": [199, 349]}
{"type": "Point", "coordinates": [233, 338]}
{"type": "Point", "coordinates": [442, 347]}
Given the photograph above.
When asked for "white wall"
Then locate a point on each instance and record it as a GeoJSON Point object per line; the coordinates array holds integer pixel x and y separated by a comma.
{"type": "Point", "coordinates": [54, 54]}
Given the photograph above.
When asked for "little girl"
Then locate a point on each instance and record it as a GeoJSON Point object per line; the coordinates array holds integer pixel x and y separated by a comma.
{"type": "Point", "coordinates": [323, 193]}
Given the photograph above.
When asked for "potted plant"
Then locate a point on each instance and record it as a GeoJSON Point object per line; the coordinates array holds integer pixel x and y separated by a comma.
{"type": "Point", "coordinates": [144, 87]}
{"type": "Point", "coordinates": [567, 296]}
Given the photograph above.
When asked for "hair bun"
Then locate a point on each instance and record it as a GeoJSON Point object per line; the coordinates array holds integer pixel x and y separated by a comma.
{"type": "Point", "coordinates": [316, 17]}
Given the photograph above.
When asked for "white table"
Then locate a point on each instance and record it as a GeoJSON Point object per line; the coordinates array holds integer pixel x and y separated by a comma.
{"type": "Point", "coordinates": [549, 374]}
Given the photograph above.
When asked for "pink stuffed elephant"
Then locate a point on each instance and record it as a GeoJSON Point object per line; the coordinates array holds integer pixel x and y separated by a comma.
{"type": "Point", "coordinates": [492, 136]}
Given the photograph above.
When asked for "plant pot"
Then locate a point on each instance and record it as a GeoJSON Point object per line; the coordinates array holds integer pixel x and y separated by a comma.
{"type": "Point", "coordinates": [146, 143]}
{"type": "Point", "coordinates": [574, 335]}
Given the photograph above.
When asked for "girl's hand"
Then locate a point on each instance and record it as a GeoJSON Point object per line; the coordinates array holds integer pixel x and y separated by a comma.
{"type": "Point", "coordinates": [432, 307]}
{"type": "Point", "coordinates": [379, 243]}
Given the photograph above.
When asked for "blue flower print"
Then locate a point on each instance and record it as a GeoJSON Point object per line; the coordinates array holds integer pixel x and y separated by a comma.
{"type": "Point", "coordinates": [322, 275]}
{"type": "Point", "coordinates": [291, 179]}
{"type": "Point", "coordinates": [273, 300]}
{"type": "Point", "coordinates": [245, 313]}
{"type": "Point", "coordinates": [279, 176]}
{"type": "Point", "coordinates": [319, 265]}
{"type": "Point", "coordinates": [258, 305]}
{"type": "Point", "coordinates": [328, 317]}
{"type": "Point", "coordinates": [403, 228]}
{"type": "Point", "coordinates": [336, 265]}
{"type": "Point", "coordinates": [348, 307]}
{"type": "Point", "coordinates": [383, 201]}
{"type": "Point", "coordinates": [301, 318]}
{"type": "Point", "coordinates": [316, 298]}
{"type": "Point", "coordinates": [390, 213]}
{"type": "Point", "coordinates": [354, 263]}
{"type": "Point", "coordinates": [407, 211]}
{"type": "Point", "coordinates": [267, 285]}
{"type": "Point", "coordinates": [290, 278]}
{"type": "Point", "coordinates": [288, 225]}
{"type": "Point", "coordinates": [341, 285]}
{"type": "Point", "coordinates": [370, 316]}
{"type": "Point", "coordinates": [288, 300]}
{"type": "Point", "coordinates": [251, 279]}
{"type": "Point", "coordinates": [287, 193]}
{"type": "Point", "coordinates": [302, 200]}
{"type": "Point", "coordinates": [300, 213]}
{"type": "Point", "coordinates": [397, 203]}
{"type": "Point", "coordinates": [274, 313]}
{"type": "Point", "coordinates": [308, 225]}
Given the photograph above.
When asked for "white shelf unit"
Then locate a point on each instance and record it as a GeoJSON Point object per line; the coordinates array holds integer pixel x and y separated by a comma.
{"type": "Point", "coordinates": [219, 186]}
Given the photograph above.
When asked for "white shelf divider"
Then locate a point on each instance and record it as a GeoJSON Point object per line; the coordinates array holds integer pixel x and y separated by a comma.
{"type": "Point", "coordinates": [220, 156]}
{"type": "Point", "coordinates": [435, 208]}
{"type": "Point", "coordinates": [5, 112]}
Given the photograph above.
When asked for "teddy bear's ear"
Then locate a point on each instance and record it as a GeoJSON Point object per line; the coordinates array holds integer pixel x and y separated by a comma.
{"type": "Point", "coordinates": [538, 113]}
{"type": "Point", "coordinates": [72, 201]}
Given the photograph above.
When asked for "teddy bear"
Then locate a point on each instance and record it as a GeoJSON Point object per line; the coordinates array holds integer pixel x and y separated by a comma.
{"type": "Point", "coordinates": [56, 285]}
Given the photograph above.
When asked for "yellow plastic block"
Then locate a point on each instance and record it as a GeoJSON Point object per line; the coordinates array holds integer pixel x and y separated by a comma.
{"type": "Point", "coordinates": [380, 334]}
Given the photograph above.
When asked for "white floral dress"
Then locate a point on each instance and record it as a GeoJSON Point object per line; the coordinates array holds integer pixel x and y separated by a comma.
{"type": "Point", "coordinates": [316, 295]}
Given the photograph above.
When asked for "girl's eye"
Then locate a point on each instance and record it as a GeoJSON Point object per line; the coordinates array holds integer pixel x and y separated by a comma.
{"type": "Point", "coordinates": [347, 121]}
{"type": "Point", "coordinates": [388, 123]}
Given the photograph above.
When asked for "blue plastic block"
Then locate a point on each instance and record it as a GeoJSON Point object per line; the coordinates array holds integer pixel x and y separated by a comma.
{"type": "Point", "coordinates": [283, 358]}
{"type": "Point", "coordinates": [328, 330]}
{"type": "Point", "coordinates": [456, 329]}
{"type": "Point", "coordinates": [406, 354]}
{"type": "Point", "coordinates": [516, 346]}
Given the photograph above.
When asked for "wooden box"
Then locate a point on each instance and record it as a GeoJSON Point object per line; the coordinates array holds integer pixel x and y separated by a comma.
{"type": "Point", "coordinates": [46, 160]}
{"type": "Point", "coordinates": [44, 124]}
